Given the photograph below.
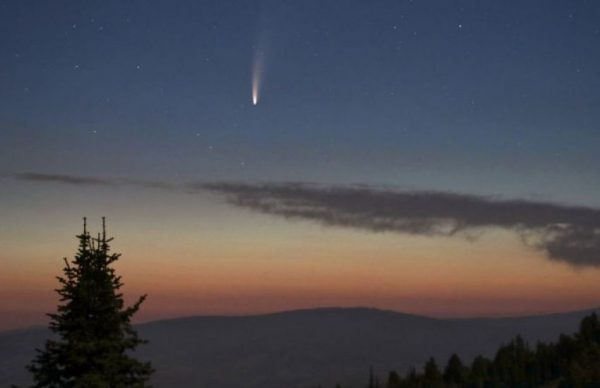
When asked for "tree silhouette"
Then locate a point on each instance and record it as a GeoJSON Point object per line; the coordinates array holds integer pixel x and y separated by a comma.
{"type": "Point", "coordinates": [394, 380]}
{"type": "Point", "coordinates": [454, 373]}
{"type": "Point", "coordinates": [371, 378]}
{"type": "Point", "coordinates": [572, 362]}
{"type": "Point", "coordinates": [480, 370]}
{"type": "Point", "coordinates": [432, 376]}
{"type": "Point", "coordinates": [93, 335]}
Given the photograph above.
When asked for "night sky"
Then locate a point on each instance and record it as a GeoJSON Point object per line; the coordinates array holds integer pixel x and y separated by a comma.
{"type": "Point", "coordinates": [486, 112]}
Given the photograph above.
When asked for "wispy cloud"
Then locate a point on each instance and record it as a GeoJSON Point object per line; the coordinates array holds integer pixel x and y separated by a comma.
{"type": "Point", "coordinates": [59, 178]}
{"type": "Point", "coordinates": [566, 233]}
{"type": "Point", "coordinates": [570, 234]}
{"type": "Point", "coordinates": [91, 181]}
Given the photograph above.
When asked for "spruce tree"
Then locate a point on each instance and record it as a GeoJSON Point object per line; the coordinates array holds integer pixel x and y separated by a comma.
{"type": "Point", "coordinates": [93, 338]}
{"type": "Point", "coordinates": [454, 372]}
{"type": "Point", "coordinates": [432, 374]}
{"type": "Point", "coordinates": [371, 378]}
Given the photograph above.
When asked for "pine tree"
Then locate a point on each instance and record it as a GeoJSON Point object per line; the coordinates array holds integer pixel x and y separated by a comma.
{"type": "Point", "coordinates": [432, 374]}
{"type": "Point", "coordinates": [394, 380]}
{"type": "Point", "coordinates": [93, 335]}
{"type": "Point", "coordinates": [480, 370]}
{"type": "Point", "coordinates": [455, 371]}
{"type": "Point", "coordinates": [371, 378]}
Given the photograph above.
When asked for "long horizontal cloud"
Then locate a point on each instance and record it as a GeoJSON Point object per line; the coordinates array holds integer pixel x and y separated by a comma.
{"type": "Point", "coordinates": [59, 178]}
{"type": "Point", "coordinates": [565, 233]}
{"type": "Point", "coordinates": [90, 181]}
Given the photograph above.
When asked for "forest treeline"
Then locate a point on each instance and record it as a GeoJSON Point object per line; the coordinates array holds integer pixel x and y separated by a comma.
{"type": "Point", "coordinates": [571, 362]}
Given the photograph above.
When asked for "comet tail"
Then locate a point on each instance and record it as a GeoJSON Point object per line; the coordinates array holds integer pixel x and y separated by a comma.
{"type": "Point", "coordinates": [257, 72]}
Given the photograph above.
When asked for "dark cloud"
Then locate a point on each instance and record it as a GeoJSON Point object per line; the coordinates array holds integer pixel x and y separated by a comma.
{"type": "Point", "coordinates": [569, 234]}
{"type": "Point", "coordinates": [90, 181]}
{"type": "Point", "coordinates": [58, 178]}
{"type": "Point", "coordinates": [565, 233]}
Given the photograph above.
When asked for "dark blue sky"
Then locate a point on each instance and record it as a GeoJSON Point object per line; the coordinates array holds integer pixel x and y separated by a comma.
{"type": "Point", "coordinates": [492, 97]}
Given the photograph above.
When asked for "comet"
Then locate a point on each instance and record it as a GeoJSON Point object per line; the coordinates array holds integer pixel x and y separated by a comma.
{"type": "Point", "coordinates": [257, 75]}
{"type": "Point", "coordinates": [255, 91]}
{"type": "Point", "coordinates": [259, 56]}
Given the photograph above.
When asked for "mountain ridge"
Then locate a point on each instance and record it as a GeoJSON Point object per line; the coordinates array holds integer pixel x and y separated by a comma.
{"type": "Point", "coordinates": [302, 348]}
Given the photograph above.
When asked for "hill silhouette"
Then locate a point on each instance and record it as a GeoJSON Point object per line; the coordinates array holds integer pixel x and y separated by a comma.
{"type": "Point", "coordinates": [302, 348]}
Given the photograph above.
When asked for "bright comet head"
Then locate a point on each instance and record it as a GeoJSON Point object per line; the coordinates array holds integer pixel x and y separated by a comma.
{"type": "Point", "coordinates": [255, 83]}
{"type": "Point", "coordinates": [257, 72]}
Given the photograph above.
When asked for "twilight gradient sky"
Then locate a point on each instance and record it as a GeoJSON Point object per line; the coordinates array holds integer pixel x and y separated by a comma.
{"type": "Point", "coordinates": [151, 100]}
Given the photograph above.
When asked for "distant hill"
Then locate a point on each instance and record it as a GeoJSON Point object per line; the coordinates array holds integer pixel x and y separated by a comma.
{"type": "Point", "coordinates": [301, 348]}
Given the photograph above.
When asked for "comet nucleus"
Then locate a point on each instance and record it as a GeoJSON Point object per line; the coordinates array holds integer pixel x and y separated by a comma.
{"type": "Point", "coordinates": [257, 72]}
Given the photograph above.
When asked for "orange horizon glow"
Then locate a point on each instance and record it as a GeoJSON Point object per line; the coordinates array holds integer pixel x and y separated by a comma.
{"type": "Point", "coordinates": [194, 256]}
{"type": "Point", "coordinates": [267, 273]}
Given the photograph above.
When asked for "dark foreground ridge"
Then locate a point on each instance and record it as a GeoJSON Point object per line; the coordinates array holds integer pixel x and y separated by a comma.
{"type": "Point", "coordinates": [303, 348]}
{"type": "Point", "coordinates": [572, 361]}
